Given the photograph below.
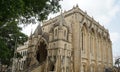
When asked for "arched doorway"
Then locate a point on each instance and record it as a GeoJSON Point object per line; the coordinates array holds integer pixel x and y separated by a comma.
{"type": "Point", "coordinates": [41, 53]}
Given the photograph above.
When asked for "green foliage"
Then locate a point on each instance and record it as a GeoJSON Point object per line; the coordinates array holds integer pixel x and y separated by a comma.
{"type": "Point", "coordinates": [4, 52]}
{"type": "Point", "coordinates": [8, 35]}
{"type": "Point", "coordinates": [15, 9]}
{"type": "Point", "coordinates": [117, 62]}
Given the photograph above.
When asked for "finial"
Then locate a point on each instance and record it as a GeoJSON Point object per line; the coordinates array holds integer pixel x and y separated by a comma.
{"type": "Point", "coordinates": [76, 5]}
{"type": "Point", "coordinates": [61, 19]}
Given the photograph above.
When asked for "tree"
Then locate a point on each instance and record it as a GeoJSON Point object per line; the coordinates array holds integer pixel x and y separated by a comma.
{"type": "Point", "coordinates": [4, 52]}
{"type": "Point", "coordinates": [8, 35]}
{"type": "Point", "coordinates": [117, 62]}
{"type": "Point", "coordinates": [11, 10]}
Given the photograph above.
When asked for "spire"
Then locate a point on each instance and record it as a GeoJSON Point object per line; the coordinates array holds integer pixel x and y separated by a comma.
{"type": "Point", "coordinates": [62, 21]}
{"type": "Point", "coordinates": [77, 5]}
{"type": "Point", "coordinates": [39, 30]}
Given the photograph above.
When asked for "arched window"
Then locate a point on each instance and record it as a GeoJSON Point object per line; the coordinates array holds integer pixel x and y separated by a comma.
{"type": "Point", "coordinates": [90, 43]}
{"type": "Point", "coordinates": [99, 46]}
{"type": "Point", "coordinates": [82, 41]}
{"type": "Point", "coordinates": [84, 38]}
{"type": "Point", "coordinates": [54, 45]}
{"type": "Point", "coordinates": [55, 32]}
{"type": "Point", "coordinates": [93, 42]}
{"type": "Point", "coordinates": [65, 33]}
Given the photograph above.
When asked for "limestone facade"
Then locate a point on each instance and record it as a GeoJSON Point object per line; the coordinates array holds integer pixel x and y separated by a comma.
{"type": "Point", "coordinates": [71, 42]}
{"type": "Point", "coordinates": [23, 50]}
{"type": "Point", "coordinates": [18, 63]}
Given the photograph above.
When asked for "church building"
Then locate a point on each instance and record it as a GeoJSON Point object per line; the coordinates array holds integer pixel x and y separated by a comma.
{"type": "Point", "coordinates": [70, 42]}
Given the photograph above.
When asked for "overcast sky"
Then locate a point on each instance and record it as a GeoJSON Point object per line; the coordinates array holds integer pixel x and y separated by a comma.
{"type": "Point", "coordinates": [106, 12]}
